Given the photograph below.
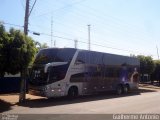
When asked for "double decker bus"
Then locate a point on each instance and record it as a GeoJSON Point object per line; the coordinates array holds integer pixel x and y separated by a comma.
{"type": "Point", "coordinates": [71, 72]}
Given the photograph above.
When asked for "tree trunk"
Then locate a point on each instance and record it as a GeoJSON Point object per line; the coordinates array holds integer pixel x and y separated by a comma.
{"type": "Point", "coordinates": [159, 78]}
{"type": "Point", "coordinates": [22, 95]}
{"type": "Point", "coordinates": [142, 78]}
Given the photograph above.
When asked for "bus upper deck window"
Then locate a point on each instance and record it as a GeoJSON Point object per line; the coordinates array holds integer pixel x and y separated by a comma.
{"type": "Point", "coordinates": [79, 62]}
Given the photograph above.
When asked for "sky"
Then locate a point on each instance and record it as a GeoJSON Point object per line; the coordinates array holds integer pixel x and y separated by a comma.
{"type": "Point", "coordinates": [122, 27]}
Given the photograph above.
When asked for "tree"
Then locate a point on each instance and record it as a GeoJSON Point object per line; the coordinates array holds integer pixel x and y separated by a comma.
{"type": "Point", "coordinates": [156, 73]}
{"type": "Point", "coordinates": [41, 46]}
{"type": "Point", "coordinates": [44, 45]}
{"type": "Point", "coordinates": [21, 52]}
{"type": "Point", "coordinates": [17, 51]}
{"type": "Point", "coordinates": [147, 65]}
{"type": "Point", "coordinates": [4, 45]}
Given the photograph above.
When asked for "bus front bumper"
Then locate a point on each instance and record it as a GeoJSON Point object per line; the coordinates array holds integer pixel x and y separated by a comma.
{"type": "Point", "coordinates": [49, 93]}
{"type": "Point", "coordinates": [37, 93]}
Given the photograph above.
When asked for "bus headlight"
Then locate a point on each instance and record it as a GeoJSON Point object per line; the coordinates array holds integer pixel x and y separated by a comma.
{"type": "Point", "coordinates": [52, 90]}
{"type": "Point", "coordinates": [45, 88]}
{"type": "Point", "coordinates": [59, 90]}
{"type": "Point", "coordinates": [56, 90]}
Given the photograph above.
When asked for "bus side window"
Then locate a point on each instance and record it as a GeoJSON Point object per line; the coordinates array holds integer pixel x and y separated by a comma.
{"type": "Point", "coordinates": [80, 59]}
{"type": "Point", "coordinates": [79, 62]}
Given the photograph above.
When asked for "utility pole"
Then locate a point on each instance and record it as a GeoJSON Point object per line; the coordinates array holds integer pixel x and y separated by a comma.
{"type": "Point", "coordinates": [22, 95]}
{"type": "Point", "coordinates": [89, 41]}
{"type": "Point", "coordinates": [157, 52]}
{"type": "Point", "coordinates": [75, 43]}
{"type": "Point", "coordinates": [52, 31]}
{"type": "Point", "coordinates": [26, 18]}
{"type": "Point", "coordinates": [54, 43]}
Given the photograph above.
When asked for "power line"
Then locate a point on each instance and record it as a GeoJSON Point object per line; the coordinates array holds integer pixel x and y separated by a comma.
{"type": "Point", "coordinates": [79, 41]}
{"type": "Point", "coordinates": [114, 18]}
{"type": "Point", "coordinates": [118, 20]}
{"type": "Point", "coordinates": [131, 34]}
{"type": "Point", "coordinates": [70, 39]}
{"type": "Point", "coordinates": [89, 40]}
{"type": "Point", "coordinates": [157, 52]}
{"type": "Point", "coordinates": [61, 8]}
{"type": "Point", "coordinates": [51, 31]}
{"type": "Point", "coordinates": [32, 7]}
{"type": "Point", "coordinates": [22, 4]}
{"type": "Point", "coordinates": [104, 22]}
{"type": "Point", "coordinates": [80, 31]}
{"type": "Point", "coordinates": [11, 24]}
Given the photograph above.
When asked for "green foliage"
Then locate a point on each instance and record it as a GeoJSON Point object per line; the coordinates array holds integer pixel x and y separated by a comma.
{"type": "Point", "coordinates": [147, 65]}
{"type": "Point", "coordinates": [4, 45]}
{"type": "Point", "coordinates": [44, 45]}
{"type": "Point", "coordinates": [16, 51]}
{"type": "Point", "coordinates": [41, 46]}
{"type": "Point", "coordinates": [157, 69]}
{"type": "Point", "coordinates": [157, 63]}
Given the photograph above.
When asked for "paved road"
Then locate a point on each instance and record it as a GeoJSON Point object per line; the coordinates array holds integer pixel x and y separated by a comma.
{"type": "Point", "coordinates": [143, 101]}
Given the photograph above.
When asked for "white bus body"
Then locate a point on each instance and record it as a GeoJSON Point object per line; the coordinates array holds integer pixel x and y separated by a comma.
{"type": "Point", "coordinates": [67, 71]}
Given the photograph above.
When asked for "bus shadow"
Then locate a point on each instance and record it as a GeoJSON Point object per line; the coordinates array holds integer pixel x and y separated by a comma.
{"type": "Point", "coordinates": [4, 106]}
{"type": "Point", "coordinates": [44, 102]}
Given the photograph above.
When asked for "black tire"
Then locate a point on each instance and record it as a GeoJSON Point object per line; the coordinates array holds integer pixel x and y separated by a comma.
{"type": "Point", "coordinates": [119, 90]}
{"type": "Point", "coordinates": [72, 93]}
{"type": "Point", "coordinates": [126, 89]}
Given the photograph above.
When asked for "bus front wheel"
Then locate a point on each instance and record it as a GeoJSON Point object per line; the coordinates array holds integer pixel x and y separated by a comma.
{"type": "Point", "coordinates": [119, 89]}
{"type": "Point", "coordinates": [73, 92]}
{"type": "Point", "coordinates": [126, 89]}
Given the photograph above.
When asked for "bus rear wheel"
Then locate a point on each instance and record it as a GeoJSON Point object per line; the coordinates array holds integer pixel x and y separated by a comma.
{"type": "Point", "coordinates": [119, 90]}
{"type": "Point", "coordinates": [73, 92]}
{"type": "Point", "coordinates": [126, 89]}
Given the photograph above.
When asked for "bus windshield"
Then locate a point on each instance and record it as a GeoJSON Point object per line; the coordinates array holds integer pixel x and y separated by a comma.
{"type": "Point", "coordinates": [54, 55]}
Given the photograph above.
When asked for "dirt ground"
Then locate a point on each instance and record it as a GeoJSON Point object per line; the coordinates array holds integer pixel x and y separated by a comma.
{"type": "Point", "coordinates": [149, 86]}
{"type": "Point", "coordinates": [13, 98]}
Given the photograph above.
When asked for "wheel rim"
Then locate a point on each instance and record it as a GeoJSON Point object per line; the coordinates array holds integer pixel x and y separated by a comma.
{"type": "Point", "coordinates": [126, 89]}
{"type": "Point", "coordinates": [119, 90]}
{"type": "Point", "coordinates": [72, 93]}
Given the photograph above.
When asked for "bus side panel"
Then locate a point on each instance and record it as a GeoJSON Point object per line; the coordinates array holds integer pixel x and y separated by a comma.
{"type": "Point", "coordinates": [103, 72]}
